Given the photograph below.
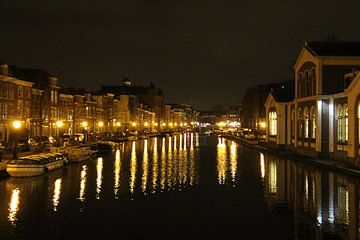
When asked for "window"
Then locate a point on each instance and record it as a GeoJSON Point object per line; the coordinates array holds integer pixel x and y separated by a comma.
{"type": "Point", "coordinates": [313, 123]}
{"type": "Point", "coordinates": [20, 109]}
{"type": "Point", "coordinates": [346, 123]}
{"type": "Point", "coordinates": [313, 81]}
{"type": "Point", "coordinates": [300, 78]}
{"type": "Point", "coordinates": [273, 123]}
{"type": "Point", "coordinates": [300, 123]}
{"type": "Point", "coordinates": [307, 84]}
{"type": "Point", "coordinates": [20, 91]}
{"type": "Point", "coordinates": [342, 123]}
{"type": "Point", "coordinates": [306, 123]}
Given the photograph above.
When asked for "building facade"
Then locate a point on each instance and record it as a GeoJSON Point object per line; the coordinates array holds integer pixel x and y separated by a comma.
{"type": "Point", "coordinates": [322, 120]}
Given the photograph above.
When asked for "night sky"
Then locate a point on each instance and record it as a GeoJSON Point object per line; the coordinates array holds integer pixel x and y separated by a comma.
{"type": "Point", "coordinates": [199, 52]}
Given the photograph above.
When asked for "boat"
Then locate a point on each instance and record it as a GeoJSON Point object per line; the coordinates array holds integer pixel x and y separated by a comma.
{"type": "Point", "coordinates": [101, 147]}
{"type": "Point", "coordinates": [79, 153]}
{"type": "Point", "coordinates": [34, 165]}
{"type": "Point", "coordinates": [132, 138]}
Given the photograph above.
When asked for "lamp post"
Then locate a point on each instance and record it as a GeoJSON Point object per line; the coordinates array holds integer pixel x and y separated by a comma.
{"type": "Point", "coordinates": [59, 125]}
{"type": "Point", "coordinates": [16, 125]}
{"type": "Point", "coordinates": [84, 125]}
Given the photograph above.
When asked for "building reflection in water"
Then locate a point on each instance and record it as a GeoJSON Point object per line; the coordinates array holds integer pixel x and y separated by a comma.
{"type": "Point", "coordinates": [325, 204]}
{"type": "Point", "coordinates": [82, 183]}
{"type": "Point", "coordinates": [14, 205]}
{"type": "Point", "coordinates": [155, 166]}
{"type": "Point", "coordinates": [169, 164]}
{"type": "Point", "coordinates": [145, 167]}
{"type": "Point", "coordinates": [163, 165]}
{"type": "Point", "coordinates": [133, 167]}
{"type": "Point", "coordinates": [117, 169]}
{"type": "Point", "coordinates": [57, 191]}
{"type": "Point", "coordinates": [221, 160]}
{"type": "Point", "coordinates": [233, 161]}
{"type": "Point", "coordinates": [99, 176]}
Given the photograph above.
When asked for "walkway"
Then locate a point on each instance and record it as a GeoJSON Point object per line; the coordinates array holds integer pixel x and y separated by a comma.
{"type": "Point", "coordinates": [334, 165]}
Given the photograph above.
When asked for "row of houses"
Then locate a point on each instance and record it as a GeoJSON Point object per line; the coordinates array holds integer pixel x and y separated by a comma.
{"type": "Point", "coordinates": [320, 116]}
{"type": "Point", "coordinates": [34, 98]}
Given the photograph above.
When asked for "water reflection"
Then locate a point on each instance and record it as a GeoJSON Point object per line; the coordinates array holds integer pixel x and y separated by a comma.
{"type": "Point", "coordinates": [221, 160]}
{"type": "Point", "coordinates": [117, 169]}
{"type": "Point", "coordinates": [324, 203]}
{"type": "Point", "coordinates": [99, 176]}
{"type": "Point", "coordinates": [233, 161]}
{"type": "Point", "coordinates": [57, 191]}
{"type": "Point", "coordinates": [133, 167]}
{"type": "Point", "coordinates": [14, 205]}
{"type": "Point", "coordinates": [145, 167]}
{"type": "Point", "coordinates": [155, 166]}
{"type": "Point", "coordinates": [82, 183]}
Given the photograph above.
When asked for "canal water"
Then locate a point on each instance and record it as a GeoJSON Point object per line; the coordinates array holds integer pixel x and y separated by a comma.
{"type": "Point", "coordinates": [187, 186]}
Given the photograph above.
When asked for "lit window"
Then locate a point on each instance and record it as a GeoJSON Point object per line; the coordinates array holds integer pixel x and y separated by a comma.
{"type": "Point", "coordinates": [273, 123]}
{"type": "Point", "coordinates": [342, 123]}
{"type": "Point", "coordinates": [306, 123]}
{"type": "Point", "coordinates": [300, 123]}
{"type": "Point", "coordinates": [313, 123]}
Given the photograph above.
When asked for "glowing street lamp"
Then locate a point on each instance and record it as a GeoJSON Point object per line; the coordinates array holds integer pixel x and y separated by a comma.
{"type": "Point", "coordinates": [100, 124]}
{"type": "Point", "coordinates": [146, 124]}
{"type": "Point", "coordinates": [59, 124]}
{"type": "Point", "coordinates": [84, 124]}
{"type": "Point", "coordinates": [17, 125]}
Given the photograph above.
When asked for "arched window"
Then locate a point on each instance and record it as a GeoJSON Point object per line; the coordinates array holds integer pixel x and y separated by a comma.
{"type": "Point", "coordinates": [346, 123]}
{"type": "Point", "coordinates": [339, 122]}
{"type": "Point", "coordinates": [272, 123]}
{"type": "Point", "coordinates": [300, 79]}
{"type": "Point", "coordinates": [313, 123]}
{"type": "Point", "coordinates": [307, 84]}
{"type": "Point", "coordinates": [306, 123]}
{"type": "Point", "coordinates": [300, 123]}
{"type": "Point", "coordinates": [313, 81]}
{"type": "Point", "coordinates": [293, 123]}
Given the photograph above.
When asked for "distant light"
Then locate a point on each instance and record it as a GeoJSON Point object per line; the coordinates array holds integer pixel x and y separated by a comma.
{"type": "Point", "coordinates": [118, 124]}
{"type": "Point", "coordinates": [16, 124]}
{"type": "Point", "coordinates": [84, 124]}
{"type": "Point", "coordinates": [59, 124]}
{"type": "Point", "coordinates": [100, 124]}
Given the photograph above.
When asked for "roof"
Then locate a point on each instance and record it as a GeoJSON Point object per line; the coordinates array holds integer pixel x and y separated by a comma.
{"type": "Point", "coordinates": [333, 48]}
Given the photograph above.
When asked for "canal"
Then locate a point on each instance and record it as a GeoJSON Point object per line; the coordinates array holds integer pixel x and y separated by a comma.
{"type": "Point", "coordinates": [187, 186]}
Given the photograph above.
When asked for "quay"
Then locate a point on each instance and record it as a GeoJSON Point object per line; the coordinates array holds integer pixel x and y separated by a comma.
{"type": "Point", "coordinates": [8, 156]}
{"type": "Point", "coordinates": [333, 165]}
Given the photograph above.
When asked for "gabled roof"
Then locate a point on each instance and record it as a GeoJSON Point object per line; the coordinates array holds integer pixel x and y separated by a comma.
{"type": "Point", "coordinates": [333, 48]}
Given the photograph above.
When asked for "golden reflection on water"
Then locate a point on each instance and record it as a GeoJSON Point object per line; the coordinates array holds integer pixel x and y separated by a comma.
{"type": "Point", "coordinates": [82, 183]}
{"type": "Point", "coordinates": [221, 160]}
{"type": "Point", "coordinates": [145, 167]}
{"type": "Point", "coordinates": [57, 191]}
{"type": "Point", "coordinates": [117, 169]}
{"type": "Point", "coordinates": [155, 166]}
{"type": "Point", "coordinates": [192, 160]}
{"type": "Point", "coordinates": [14, 205]}
{"type": "Point", "coordinates": [99, 176]}
{"type": "Point", "coordinates": [169, 165]}
{"type": "Point", "coordinates": [133, 167]}
{"type": "Point", "coordinates": [233, 160]}
{"type": "Point", "coordinates": [262, 165]}
{"type": "Point", "coordinates": [163, 165]}
{"type": "Point", "coordinates": [272, 177]}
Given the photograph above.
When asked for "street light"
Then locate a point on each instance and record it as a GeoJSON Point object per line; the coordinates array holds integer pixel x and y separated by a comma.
{"type": "Point", "coordinates": [59, 124]}
{"type": "Point", "coordinates": [84, 125]}
{"type": "Point", "coordinates": [17, 125]}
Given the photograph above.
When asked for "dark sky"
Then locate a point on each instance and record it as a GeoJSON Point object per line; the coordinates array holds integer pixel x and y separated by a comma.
{"type": "Point", "coordinates": [199, 52]}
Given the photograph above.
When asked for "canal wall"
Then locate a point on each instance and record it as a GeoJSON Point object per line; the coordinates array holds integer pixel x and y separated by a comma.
{"type": "Point", "coordinates": [333, 165]}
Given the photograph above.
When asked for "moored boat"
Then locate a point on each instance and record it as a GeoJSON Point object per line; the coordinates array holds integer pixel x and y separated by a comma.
{"type": "Point", "coordinates": [79, 153]}
{"type": "Point", "coordinates": [34, 165]}
{"type": "Point", "coordinates": [101, 147]}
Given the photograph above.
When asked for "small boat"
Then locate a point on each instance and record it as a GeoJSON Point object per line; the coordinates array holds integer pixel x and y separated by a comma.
{"type": "Point", "coordinates": [34, 165]}
{"type": "Point", "coordinates": [101, 147]}
{"type": "Point", "coordinates": [132, 138]}
{"type": "Point", "coordinates": [79, 153]}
